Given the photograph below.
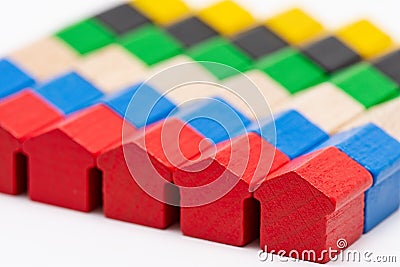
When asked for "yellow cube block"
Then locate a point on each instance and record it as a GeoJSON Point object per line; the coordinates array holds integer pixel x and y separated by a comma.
{"type": "Point", "coordinates": [227, 17]}
{"type": "Point", "coordinates": [163, 12]}
{"type": "Point", "coordinates": [295, 26]}
{"type": "Point", "coordinates": [365, 38]}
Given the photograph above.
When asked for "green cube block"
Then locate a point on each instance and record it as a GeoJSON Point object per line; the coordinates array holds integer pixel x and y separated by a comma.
{"type": "Point", "coordinates": [220, 51]}
{"type": "Point", "coordinates": [151, 44]}
{"type": "Point", "coordinates": [365, 84]}
{"type": "Point", "coordinates": [86, 36]}
{"type": "Point", "coordinates": [292, 70]}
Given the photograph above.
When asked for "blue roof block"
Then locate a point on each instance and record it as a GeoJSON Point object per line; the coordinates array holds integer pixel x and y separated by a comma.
{"type": "Point", "coordinates": [69, 93]}
{"type": "Point", "coordinates": [140, 104]}
{"type": "Point", "coordinates": [215, 119]}
{"type": "Point", "coordinates": [295, 134]}
{"type": "Point", "coordinates": [12, 79]}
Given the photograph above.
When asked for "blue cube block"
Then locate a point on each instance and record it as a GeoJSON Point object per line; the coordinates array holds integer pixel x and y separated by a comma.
{"type": "Point", "coordinates": [214, 119]}
{"type": "Point", "coordinates": [382, 200]}
{"type": "Point", "coordinates": [140, 104]}
{"type": "Point", "coordinates": [12, 79]}
{"type": "Point", "coordinates": [379, 153]}
{"type": "Point", "coordinates": [291, 133]}
{"type": "Point", "coordinates": [69, 93]}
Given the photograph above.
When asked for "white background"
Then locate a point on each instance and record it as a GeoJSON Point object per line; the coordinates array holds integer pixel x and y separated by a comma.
{"type": "Point", "coordinates": [33, 234]}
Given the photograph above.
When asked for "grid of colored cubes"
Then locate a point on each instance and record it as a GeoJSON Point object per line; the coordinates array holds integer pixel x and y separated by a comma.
{"type": "Point", "coordinates": [291, 48]}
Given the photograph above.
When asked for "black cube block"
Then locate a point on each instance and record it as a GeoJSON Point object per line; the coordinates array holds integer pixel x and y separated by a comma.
{"type": "Point", "coordinates": [258, 42]}
{"type": "Point", "coordinates": [122, 19]}
{"type": "Point", "coordinates": [390, 65]}
{"type": "Point", "coordinates": [191, 31]}
{"type": "Point", "coordinates": [331, 54]}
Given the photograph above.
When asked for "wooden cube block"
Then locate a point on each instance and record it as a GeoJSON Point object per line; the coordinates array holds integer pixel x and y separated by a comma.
{"type": "Point", "coordinates": [69, 93]}
{"type": "Point", "coordinates": [294, 135]}
{"type": "Point", "coordinates": [140, 105]}
{"type": "Point", "coordinates": [384, 115]}
{"type": "Point", "coordinates": [331, 54]}
{"type": "Point", "coordinates": [295, 26]}
{"type": "Point", "coordinates": [364, 37]}
{"type": "Point", "coordinates": [191, 31]}
{"type": "Point", "coordinates": [362, 78]}
{"type": "Point", "coordinates": [179, 70]}
{"type": "Point", "coordinates": [290, 68]}
{"type": "Point", "coordinates": [272, 92]}
{"type": "Point", "coordinates": [122, 19]}
{"type": "Point", "coordinates": [326, 105]}
{"type": "Point", "coordinates": [111, 68]}
{"type": "Point", "coordinates": [258, 41]}
{"type": "Point", "coordinates": [389, 65]}
{"type": "Point", "coordinates": [12, 78]}
{"type": "Point", "coordinates": [222, 52]}
{"type": "Point", "coordinates": [86, 36]}
{"type": "Point", "coordinates": [145, 44]}
{"type": "Point", "coordinates": [46, 58]}
{"type": "Point", "coordinates": [227, 17]}
{"type": "Point", "coordinates": [163, 12]}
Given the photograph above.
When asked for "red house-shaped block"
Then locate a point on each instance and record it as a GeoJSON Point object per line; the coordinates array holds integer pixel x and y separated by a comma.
{"type": "Point", "coordinates": [62, 161]}
{"type": "Point", "coordinates": [313, 203]}
{"type": "Point", "coordinates": [233, 218]}
{"type": "Point", "coordinates": [22, 116]}
{"type": "Point", "coordinates": [124, 198]}
{"type": "Point", "coordinates": [138, 177]}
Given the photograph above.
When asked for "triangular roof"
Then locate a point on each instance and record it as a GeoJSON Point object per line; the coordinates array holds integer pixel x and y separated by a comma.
{"type": "Point", "coordinates": [329, 172]}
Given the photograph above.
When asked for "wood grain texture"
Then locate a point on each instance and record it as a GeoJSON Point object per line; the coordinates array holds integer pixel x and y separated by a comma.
{"type": "Point", "coordinates": [153, 156]}
{"type": "Point", "coordinates": [62, 161]}
{"type": "Point", "coordinates": [326, 105]}
{"type": "Point", "coordinates": [379, 154]}
{"type": "Point", "coordinates": [192, 92]}
{"type": "Point", "coordinates": [125, 200]}
{"type": "Point", "coordinates": [140, 105]}
{"type": "Point", "coordinates": [69, 93]}
{"type": "Point", "coordinates": [46, 58]}
{"type": "Point", "coordinates": [176, 71]}
{"type": "Point", "coordinates": [385, 115]}
{"type": "Point", "coordinates": [196, 83]}
{"type": "Point", "coordinates": [112, 68]}
{"type": "Point", "coordinates": [22, 116]}
{"type": "Point", "coordinates": [232, 219]}
{"type": "Point", "coordinates": [167, 144]}
{"type": "Point", "coordinates": [291, 133]}
{"type": "Point", "coordinates": [272, 92]}
{"type": "Point", "coordinates": [313, 201]}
